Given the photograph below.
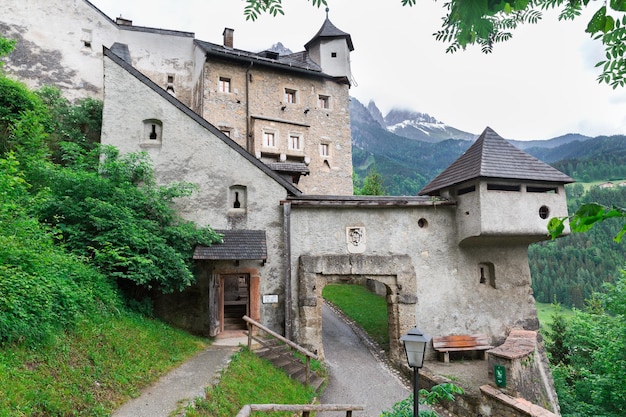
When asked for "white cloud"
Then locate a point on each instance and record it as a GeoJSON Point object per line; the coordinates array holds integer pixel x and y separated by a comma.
{"type": "Point", "coordinates": [539, 85]}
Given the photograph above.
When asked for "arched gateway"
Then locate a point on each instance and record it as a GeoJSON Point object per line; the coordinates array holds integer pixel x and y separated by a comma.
{"type": "Point", "coordinates": [396, 272]}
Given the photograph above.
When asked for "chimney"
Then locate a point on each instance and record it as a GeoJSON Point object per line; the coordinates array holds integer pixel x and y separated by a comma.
{"type": "Point", "coordinates": [123, 22]}
{"type": "Point", "coordinates": [228, 37]}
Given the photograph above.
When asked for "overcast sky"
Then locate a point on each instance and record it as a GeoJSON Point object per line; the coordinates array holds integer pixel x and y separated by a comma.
{"type": "Point", "coordinates": [539, 85]}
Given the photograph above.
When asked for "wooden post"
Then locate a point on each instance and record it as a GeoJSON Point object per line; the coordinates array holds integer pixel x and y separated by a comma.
{"type": "Point", "coordinates": [250, 327]}
{"type": "Point", "coordinates": [308, 366]}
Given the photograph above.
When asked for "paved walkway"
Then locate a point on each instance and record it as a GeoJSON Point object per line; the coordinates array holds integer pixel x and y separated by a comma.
{"type": "Point", "coordinates": [183, 384]}
{"type": "Point", "coordinates": [356, 376]}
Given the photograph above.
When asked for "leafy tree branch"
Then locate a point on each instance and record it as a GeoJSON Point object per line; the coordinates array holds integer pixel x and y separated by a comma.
{"type": "Point", "coordinates": [487, 22]}
{"type": "Point", "coordinates": [585, 218]}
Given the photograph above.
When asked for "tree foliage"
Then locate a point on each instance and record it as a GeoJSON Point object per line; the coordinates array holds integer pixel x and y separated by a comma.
{"type": "Point", "coordinates": [115, 215]}
{"type": "Point", "coordinates": [372, 184]}
{"type": "Point", "coordinates": [588, 360]}
{"type": "Point", "coordinates": [485, 23]}
{"type": "Point", "coordinates": [570, 269]}
{"type": "Point", "coordinates": [43, 289]}
{"type": "Point", "coordinates": [100, 209]}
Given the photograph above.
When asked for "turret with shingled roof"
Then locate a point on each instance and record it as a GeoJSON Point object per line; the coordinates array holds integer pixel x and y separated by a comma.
{"type": "Point", "coordinates": [491, 156]}
{"type": "Point", "coordinates": [501, 193]}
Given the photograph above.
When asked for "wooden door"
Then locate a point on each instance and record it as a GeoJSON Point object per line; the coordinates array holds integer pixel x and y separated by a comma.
{"type": "Point", "coordinates": [235, 289]}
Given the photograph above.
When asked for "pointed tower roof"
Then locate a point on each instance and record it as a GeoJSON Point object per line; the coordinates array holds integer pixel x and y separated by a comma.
{"type": "Point", "coordinates": [493, 157]}
{"type": "Point", "coordinates": [328, 30]}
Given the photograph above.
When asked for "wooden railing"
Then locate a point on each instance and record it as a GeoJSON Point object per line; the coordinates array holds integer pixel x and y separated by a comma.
{"type": "Point", "coordinates": [308, 355]}
{"type": "Point", "coordinates": [305, 410]}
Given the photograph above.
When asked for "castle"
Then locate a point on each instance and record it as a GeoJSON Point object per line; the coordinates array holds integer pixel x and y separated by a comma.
{"type": "Point", "coordinates": [266, 138]}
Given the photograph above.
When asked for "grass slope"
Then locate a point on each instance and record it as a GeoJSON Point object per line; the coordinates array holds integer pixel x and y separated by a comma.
{"type": "Point", "coordinates": [250, 380]}
{"type": "Point", "coordinates": [91, 370]}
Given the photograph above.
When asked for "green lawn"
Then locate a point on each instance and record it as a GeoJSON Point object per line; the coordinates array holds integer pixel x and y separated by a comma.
{"type": "Point", "coordinates": [364, 307]}
{"type": "Point", "coordinates": [545, 312]}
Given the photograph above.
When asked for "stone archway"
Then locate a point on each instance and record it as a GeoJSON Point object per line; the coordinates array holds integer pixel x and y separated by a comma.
{"type": "Point", "coordinates": [395, 271]}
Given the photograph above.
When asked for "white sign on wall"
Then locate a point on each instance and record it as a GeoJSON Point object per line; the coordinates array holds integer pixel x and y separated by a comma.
{"type": "Point", "coordinates": [270, 299]}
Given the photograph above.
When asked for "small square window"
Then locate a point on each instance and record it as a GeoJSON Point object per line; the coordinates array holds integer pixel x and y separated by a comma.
{"type": "Point", "coordinates": [323, 102]}
{"type": "Point", "coordinates": [269, 139]}
{"type": "Point", "coordinates": [295, 142]}
{"type": "Point", "coordinates": [290, 96]}
{"type": "Point", "coordinates": [333, 54]}
{"type": "Point", "coordinates": [224, 85]}
{"type": "Point", "coordinates": [324, 149]}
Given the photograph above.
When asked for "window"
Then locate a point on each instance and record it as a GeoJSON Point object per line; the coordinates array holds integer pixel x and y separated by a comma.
{"type": "Point", "coordinates": [487, 274]}
{"type": "Point", "coordinates": [295, 142]}
{"type": "Point", "coordinates": [323, 102]}
{"type": "Point", "coordinates": [324, 149]}
{"type": "Point", "coordinates": [170, 83]}
{"type": "Point", "coordinates": [290, 96]}
{"type": "Point", "coordinates": [237, 197]}
{"type": "Point", "coordinates": [269, 139]}
{"type": "Point", "coordinates": [333, 54]}
{"type": "Point", "coordinates": [224, 85]}
{"type": "Point", "coordinates": [152, 133]}
{"type": "Point", "coordinates": [225, 131]}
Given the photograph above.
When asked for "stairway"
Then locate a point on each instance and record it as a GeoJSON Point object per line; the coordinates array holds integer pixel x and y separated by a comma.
{"type": "Point", "coordinates": [282, 357]}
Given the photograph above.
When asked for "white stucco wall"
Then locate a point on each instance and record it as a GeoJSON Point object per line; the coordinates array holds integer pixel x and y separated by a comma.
{"type": "Point", "coordinates": [191, 153]}
{"type": "Point", "coordinates": [51, 47]}
{"type": "Point", "coordinates": [450, 297]}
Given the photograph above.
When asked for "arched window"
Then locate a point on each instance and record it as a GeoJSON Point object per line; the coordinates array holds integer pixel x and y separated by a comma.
{"type": "Point", "coordinates": [152, 133]}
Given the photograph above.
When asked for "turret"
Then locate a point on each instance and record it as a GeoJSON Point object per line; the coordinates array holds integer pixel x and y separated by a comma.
{"type": "Point", "coordinates": [330, 48]}
{"type": "Point", "coordinates": [502, 193]}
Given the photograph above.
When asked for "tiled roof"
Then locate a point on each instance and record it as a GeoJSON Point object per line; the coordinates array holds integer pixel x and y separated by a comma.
{"type": "Point", "coordinates": [289, 167]}
{"type": "Point", "coordinates": [237, 245]}
{"type": "Point", "coordinates": [328, 30]}
{"type": "Point", "coordinates": [493, 157]}
{"type": "Point", "coordinates": [298, 61]}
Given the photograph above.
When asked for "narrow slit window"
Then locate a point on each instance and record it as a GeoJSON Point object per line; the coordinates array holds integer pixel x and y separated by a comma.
{"type": "Point", "coordinates": [324, 149]}
{"type": "Point", "coordinates": [548, 190]}
{"type": "Point", "coordinates": [466, 190]}
{"type": "Point", "coordinates": [487, 274]}
{"type": "Point", "coordinates": [238, 197]}
{"type": "Point", "coordinates": [504, 187]}
{"type": "Point", "coordinates": [153, 132]}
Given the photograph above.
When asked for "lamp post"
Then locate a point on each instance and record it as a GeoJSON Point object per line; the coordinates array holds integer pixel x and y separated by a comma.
{"type": "Point", "coordinates": [415, 346]}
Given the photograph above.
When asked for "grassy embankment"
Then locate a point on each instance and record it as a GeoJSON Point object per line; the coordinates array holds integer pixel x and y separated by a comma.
{"type": "Point", "coordinates": [105, 362]}
{"type": "Point", "coordinates": [92, 369]}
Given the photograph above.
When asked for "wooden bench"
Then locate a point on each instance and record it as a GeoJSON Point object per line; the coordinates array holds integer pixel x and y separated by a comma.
{"type": "Point", "coordinates": [459, 343]}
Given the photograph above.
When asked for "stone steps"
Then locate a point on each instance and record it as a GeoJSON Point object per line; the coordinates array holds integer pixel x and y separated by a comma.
{"type": "Point", "coordinates": [282, 357]}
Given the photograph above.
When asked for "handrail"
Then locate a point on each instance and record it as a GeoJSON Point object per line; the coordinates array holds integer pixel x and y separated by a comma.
{"type": "Point", "coordinates": [279, 337]}
{"type": "Point", "coordinates": [247, 409]}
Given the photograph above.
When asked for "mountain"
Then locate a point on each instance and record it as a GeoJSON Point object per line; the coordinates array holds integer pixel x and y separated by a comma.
{"type": "Point", "coordinates": [280, 48]}
{"type": "Point", "coordinates": [549, 143]}
{"type": "Point", "coordinates": [405, 164]}
{"type": "Point", "coordinates": [408, 149]}
{"type": "Point", "coordinates": [415, 125]}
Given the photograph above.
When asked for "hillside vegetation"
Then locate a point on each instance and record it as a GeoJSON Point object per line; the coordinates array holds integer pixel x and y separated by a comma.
{"type": "Point", "coordinates": [84, 233]}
